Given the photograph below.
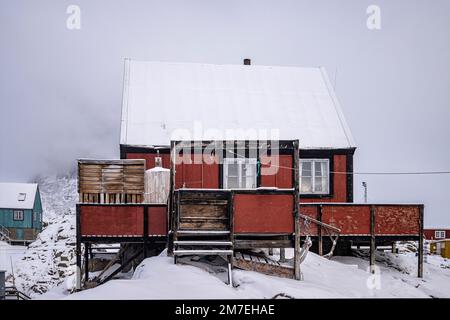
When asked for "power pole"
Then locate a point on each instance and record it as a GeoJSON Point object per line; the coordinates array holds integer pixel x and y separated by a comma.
{"type": "Point", "coordinates": [364, 184]}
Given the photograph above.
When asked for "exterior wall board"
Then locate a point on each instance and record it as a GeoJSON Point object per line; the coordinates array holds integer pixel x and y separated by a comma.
{"type": "Point", "coordinates": [150, 159]}
{"type": "Point", "coordinates": [263, 213]}
{"type": "Point", "coordinates": [283, 178]}
{"type": "Point", "coordinates": [157, 221]}
{"type": "Point", "coordinates": [111, 220]}
{"type": "Point", "coordinates": [396, 220]}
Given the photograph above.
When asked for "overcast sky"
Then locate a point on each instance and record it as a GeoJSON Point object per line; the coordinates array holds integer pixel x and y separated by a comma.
{"type": "Point", "coordinates": [61, 89]}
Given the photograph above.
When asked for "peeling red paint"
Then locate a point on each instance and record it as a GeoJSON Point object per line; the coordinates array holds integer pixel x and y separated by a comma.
{"type": "Point", "coordinates": [263, 213]}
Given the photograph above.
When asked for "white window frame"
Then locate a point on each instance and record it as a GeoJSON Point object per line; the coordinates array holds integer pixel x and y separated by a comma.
{"type": "Point", "coordinates": [241, 161]}
{"type": "Point", "coordinates": [313, 175]}
{"type": "Point", "coordinates": [18, 215]}
{"type": "Point", "coordinates": [439, 234]}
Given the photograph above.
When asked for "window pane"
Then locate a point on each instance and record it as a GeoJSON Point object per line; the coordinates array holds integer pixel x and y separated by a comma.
{"type": "Point", "coordinates": [249, 175]}
{"type": "Point", "coordinates": [319, 186]}
{"type": "Point", "coordinates": [233, 169]}
{"type": "Point", "coordinates": [306, 168]}
{"type": "Point", "coordinates": [318, 169]}
{"type": "Point", "coordinates": [306, 186]}
{"type": "Point", "coordinates": [232, 182]}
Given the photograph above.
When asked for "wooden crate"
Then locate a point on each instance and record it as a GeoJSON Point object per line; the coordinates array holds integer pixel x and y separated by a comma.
{"type": "Point", "coordinates": [111, 181]}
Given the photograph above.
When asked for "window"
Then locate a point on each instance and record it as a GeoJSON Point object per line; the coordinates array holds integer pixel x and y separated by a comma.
{"type": "Point", "coordinates": [314, 176]}
{"type": "Point", "coordinates": [22, 196]}
{"type": "Point", "coordinates": [239, 173]}
{"type": "Point", "coordinates": [18, 215]}
{"type": "Point", "coordinates": [439, 234]}
{"type": "Point", "coordinates": [35, 216]}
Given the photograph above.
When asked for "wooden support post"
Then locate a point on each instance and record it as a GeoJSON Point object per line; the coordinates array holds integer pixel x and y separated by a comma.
{"type": "Point", "coordinates": [122, 266]}
{"type": "Point", "coordinates": [171, 209]}
{"type": "Point", "coordinates": [145, 235]}
{"type": "Point", "coordinates": [282, 255]}
{"type": "Point", "coordinates": [86, 262]}
{"type": "Point", "coordinates": [297, 270]}
{"type": "Point", "coordinates": [394, 247]}
{"type": "Point", "coordinates": [296, 179]}
{"type": "Point", "coordinates": [372, 239]}
{"type": "Point", "coordinates": [78, 249]}
{"type": "Point", "coordinates": [270, 251]}
{"type": "Point", "coordinates": [176, 218]}
{"type": "Point", "coordinates": [230, 270]}
{"type": "Point", "coordinates": [319, 230]}
{"type": "Point", "coordinates": [420, 246]}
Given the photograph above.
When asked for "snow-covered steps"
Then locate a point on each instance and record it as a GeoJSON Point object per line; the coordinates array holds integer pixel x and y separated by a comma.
{"type": "Point", "coordinates": [203, 252]}
{"type": "Point", "coordinates": [203, 232]}
{"type": "Point", "coordinates": [203, 243]}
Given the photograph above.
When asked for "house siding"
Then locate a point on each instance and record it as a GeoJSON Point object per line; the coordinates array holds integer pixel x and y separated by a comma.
{"type": "Point", "coordinates": [6, 218]}
{"type": "Point", "coordinates": [25, 229]}
{"type": "Point", "coordinates": [209, 176]}
{"type": "Point", "coordinates": [37, 208]}
{"type": "Point", "coordinates": [430, 233]}
{"type": "Point", "coordinates": [338, 181]}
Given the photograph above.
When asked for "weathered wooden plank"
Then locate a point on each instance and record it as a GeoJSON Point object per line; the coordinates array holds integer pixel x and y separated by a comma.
{"type": "Point", "coordinates": [203, 211]}
{"type": "Point", "coordinates": [265, 268]}
{"type": "Point", "coordinates": [202, 225]}
{"type": "Point", "coordinates": [251, 244]}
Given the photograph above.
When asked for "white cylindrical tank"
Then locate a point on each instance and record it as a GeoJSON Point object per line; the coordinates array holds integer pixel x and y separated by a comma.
{"type": "Point", "coordinates": [157, 183]}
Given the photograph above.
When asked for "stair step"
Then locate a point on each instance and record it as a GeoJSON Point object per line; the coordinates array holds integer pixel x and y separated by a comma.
{"type": "Point", "coordinates": [203, 232]}
{"type": "Point", "coordinates": [206, 243]}
{"type": "Point", "coordinates": [202, 252]}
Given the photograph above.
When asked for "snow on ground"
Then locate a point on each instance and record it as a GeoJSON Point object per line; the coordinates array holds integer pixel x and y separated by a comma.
{"type": "Point", "coordinates": [9, 255]}
{"type": "Point", "coordinates": [45, 270]}
{"type": "Point", "coordinates": [50, 259]}
{"type": "Point", "coordinates": [403, 267]}
{"type": "Point", "coordinates": [343, 277]}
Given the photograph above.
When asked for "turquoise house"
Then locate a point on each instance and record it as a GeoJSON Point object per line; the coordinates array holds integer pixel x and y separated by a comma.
{"type": "Point", "coordinates": [20, 212]}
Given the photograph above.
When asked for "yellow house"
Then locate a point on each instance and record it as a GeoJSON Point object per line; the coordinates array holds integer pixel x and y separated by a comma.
{"type": "Point", "coordinates": [441, 247]}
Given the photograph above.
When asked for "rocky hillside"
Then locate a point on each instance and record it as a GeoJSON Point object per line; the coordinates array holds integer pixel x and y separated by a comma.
{"type": "Point", "coordinates": [50, 259]}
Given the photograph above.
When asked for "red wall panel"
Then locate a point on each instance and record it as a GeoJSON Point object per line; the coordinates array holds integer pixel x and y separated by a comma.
{"type": "Point", "coordinates": [339, 182]}
{"type": "Point", "coordinates": [112, 220]}
{"type": "Point", "coordinates": [150, 159]}
{"type": "Point", "coordinates": [283, 176]}
{"type": "Point", "coordinates": [197, 175]}
{"type": "Point", "coordinates": [157, 221]}
{"type": "Point", "coordinates": [350, 219]}
{"type": "Point", "coordinates": [396, 220]}
{"type": "Point", "coordinates": [263, 213]}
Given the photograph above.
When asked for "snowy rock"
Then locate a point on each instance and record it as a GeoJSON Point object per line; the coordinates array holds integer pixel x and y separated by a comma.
{"type": "Point", "coordinates": [50, 259]}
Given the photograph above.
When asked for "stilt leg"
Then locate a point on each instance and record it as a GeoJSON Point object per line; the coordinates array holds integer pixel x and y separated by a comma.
{"type": "Point", "coordinates": [86, 262]}
{"type": "Point", "coordinates": [230, 273]}
{"type": "Point", "coordinates": [282, 255]}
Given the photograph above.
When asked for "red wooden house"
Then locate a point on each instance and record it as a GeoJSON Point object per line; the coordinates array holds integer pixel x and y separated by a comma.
{"type": "Point", "coordinates": [436, 233]}
{"type": "Point", "coordinates": [286, 118]}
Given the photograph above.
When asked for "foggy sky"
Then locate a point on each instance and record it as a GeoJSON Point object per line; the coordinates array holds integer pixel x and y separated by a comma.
{"type": "Point", "coordinates": [61, 90]}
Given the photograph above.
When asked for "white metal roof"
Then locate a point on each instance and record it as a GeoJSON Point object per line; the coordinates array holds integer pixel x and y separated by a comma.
{"type": "Point", "coordinates": [220, 102]}
{"type": "Point", "coordinates": [11, 193]}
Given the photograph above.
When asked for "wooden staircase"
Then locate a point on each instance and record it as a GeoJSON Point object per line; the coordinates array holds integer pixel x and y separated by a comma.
{"type": "Point", "coordinates": [203, 225]}
{"type": "Point", "coordinates": [5, 234]}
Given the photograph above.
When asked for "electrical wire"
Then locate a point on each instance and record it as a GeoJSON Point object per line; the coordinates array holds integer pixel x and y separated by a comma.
{"type": "Point", "coordinates": [367, 173]}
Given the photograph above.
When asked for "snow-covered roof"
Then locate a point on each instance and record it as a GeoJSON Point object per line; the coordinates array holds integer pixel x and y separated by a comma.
{"type": "Point", "coordinates": [162, 101]}
{"type": "Point", "coordinates": [17, 195]}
